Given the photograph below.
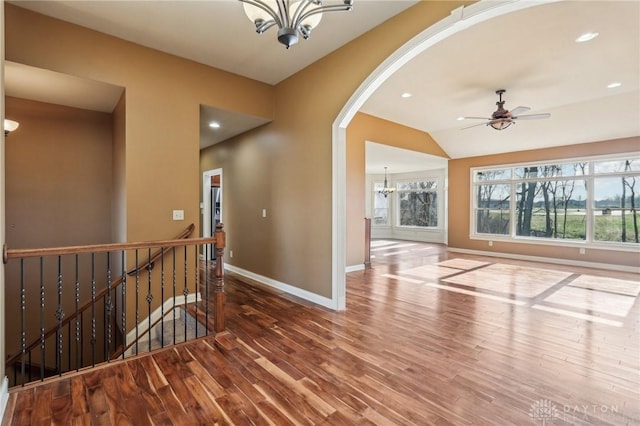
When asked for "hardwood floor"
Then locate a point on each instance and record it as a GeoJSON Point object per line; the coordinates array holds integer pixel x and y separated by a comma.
{"type": "Point", "coordinates": [428, 337]}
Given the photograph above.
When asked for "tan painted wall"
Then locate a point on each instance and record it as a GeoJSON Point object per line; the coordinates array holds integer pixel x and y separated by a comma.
{"type": "Point", "coordinates": [459, 202]}
{"type": "Point", "coordinates": [286, 165]}
{"type": "Point", "coordinates": [119, 187]}
{"type": "Point", "coordinates": [163, 95]}
{"type": "Point", "coordinates": [364, 128]}
{"type": "Point", "coordinates": [58, 176]}
{"type": "Point", "coordinates": [58, 193]}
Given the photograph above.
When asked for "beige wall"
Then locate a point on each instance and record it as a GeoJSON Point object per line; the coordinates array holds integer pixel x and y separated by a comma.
{"type": "Point", "coordinates": [58, 176]}
{"type": "Point", "coordinates": [364, 128]}
{"type": "Point", "coordinates": [163, 96]}
{"type": "Point", "coordinates": [119, 163]}
{"type": "Point", "coordinates": [58, 193]}
{"type": "Point", "coordinates": [459, 202]}
{"type": "Point", "coordinates": [288, 162]}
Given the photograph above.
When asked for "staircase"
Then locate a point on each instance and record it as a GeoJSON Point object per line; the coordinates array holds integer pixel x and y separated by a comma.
{"type": "Point", "coordinates": [177, 326]}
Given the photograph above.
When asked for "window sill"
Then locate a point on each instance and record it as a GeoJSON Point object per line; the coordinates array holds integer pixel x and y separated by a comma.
{"type": "Point", "coordinates": [559, 243]}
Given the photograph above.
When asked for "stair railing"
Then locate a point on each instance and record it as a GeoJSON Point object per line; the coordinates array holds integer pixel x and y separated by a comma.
{"type": "Point", "coordinates": [170, 276]}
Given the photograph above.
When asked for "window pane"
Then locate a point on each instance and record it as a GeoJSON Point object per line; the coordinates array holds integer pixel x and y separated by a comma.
{"type": "Point", "coordinates": [488, 175]}
{"type": "Point", "coordinates": [551, 209]}
{"type": "Point", "coordinates": [381, 216]}
{"type": "Point", "coordinates": [493, 196]}
{"type": "Point", "coordinates": [616, 166]}
{"type": "Point", "coordinates": [417, 186]}
{"type": "Point", "coordinates": [378, 186]}
{"type": "Point", "coordinates": [493, 209]}
{"type": "Point", "coordinates": [380, 209]}
{"type": "Point", "coordinates": [615, 213]}
{"type": "Point", "coordinates": [492, 221]}
{"type": "Point", "coordinates": [552, 170]}
{"type": "Point", "coordinates": [418, 208]}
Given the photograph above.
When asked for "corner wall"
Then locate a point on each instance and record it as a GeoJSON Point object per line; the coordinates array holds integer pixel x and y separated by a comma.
{"type": "Point", "coordinates": [364, 128]}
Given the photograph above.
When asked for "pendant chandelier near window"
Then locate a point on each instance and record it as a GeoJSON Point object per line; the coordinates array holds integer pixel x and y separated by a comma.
{"type": "Point", "coordinates": [291, 17]}
{"type": "Point", "coordinates": [386, 189]}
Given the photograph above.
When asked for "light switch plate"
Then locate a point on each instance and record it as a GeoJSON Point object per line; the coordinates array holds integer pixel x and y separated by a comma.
{"type": "Point", "coordinates": [178, 215]}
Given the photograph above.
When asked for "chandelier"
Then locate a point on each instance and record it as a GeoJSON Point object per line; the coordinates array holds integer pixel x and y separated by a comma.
{"type": "Point", "coordinates": [291, 17]}
{"type": "Point", "coordinates": [386, 189]}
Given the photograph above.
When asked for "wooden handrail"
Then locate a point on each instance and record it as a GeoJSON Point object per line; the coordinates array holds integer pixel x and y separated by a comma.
{"type": "Point", "coordinates": [178, 241]}
{"type": "Point", "coordinates": [95, 248]}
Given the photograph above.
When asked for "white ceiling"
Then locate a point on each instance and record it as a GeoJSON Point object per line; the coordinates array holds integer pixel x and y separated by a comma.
{"type": "Point", "coordinates": [378, 156]}
{"type": "Point", "coordinates": [531, 53]}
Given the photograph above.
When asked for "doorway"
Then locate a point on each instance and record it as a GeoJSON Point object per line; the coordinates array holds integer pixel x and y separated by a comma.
{"type": "Point", "coordinates": [212, 203]}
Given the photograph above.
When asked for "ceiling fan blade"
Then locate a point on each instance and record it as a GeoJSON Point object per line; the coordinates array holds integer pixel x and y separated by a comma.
{"type": "Point", "coordinates": [476, 125]}
{"type": "Point", "coordinates": [532, 116]}
{"type": "Point", "coordinates": [477, 118]}
{"type": "Point", "coordinates": [519, 110]}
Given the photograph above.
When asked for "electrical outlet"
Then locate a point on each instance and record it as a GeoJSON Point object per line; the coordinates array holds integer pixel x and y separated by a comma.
{"type": "Point", "coordinates": [178, 215]}
{"type": "Point", "coordinates": [583, 250]}
{"type": "Point", "coordinates": [490, 243]}
{"type": "Point", "coordinates": [264, 212]}
{"type": "Point", "coordinates": [231, 254]}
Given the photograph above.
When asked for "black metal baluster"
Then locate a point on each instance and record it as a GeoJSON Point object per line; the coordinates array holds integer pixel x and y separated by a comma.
{"type": "Point", "coordinates": [137, 299]}
{"type": "Point", "coordinates": [82, 339]}
{"type": "Point", "coordinates": [197, 291]}
{"type": "Point", "coordinates": [42, 355]}
{"type": "Point", "coordinates": [23, 335]}
{"type": "Point", "coordinates": [124, 304]}
{"type": "Point", "coordinates": [149, 295]}
{"type": "Point", "coordinates": [59, 317]}
{"type": "Point", "coordinates": [173, 249]}
{"type": "Point", "coordinates": [108, 307]}
{"type": "Point", "coordinates": [206, 288]}
{"type": "Point", "coordinates": [162, 298]}
{"type": "Point", "coordinates": [185, 291]}
{"type": "Point", "coordinates": [93, 310]}
{"type": "Point", "coordinates": [77, 306]}
{"type": "Point", "coordinates": [69, 345]}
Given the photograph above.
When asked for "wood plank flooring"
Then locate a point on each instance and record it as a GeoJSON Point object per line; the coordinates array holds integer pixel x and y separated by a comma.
{"type": "Point", "coordinates": [428, 337]}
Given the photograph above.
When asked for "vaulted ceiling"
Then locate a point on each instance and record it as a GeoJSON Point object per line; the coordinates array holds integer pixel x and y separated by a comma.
{"type": "Point", "coordinates": [531, 53]}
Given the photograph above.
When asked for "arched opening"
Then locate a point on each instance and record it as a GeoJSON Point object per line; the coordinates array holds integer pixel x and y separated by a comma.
{"type": "Point", "coordinates": [459, 20]}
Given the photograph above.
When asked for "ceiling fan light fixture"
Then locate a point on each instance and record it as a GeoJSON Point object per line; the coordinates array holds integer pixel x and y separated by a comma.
{"type": "Point", "coordinates": [501, 124]}
{"type": "Point", "coordinates": [293, 18]}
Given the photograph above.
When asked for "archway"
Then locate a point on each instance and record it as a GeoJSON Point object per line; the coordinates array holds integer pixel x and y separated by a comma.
{"type": "Point", "coordinates": [459, 20]}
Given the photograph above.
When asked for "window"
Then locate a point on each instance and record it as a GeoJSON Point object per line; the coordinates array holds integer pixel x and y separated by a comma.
{"type": "Point", "coordinates": [592, 200]}
{"type": "Point", "coordinates": [418, 203]}
{"type": "Point", "coordinates": [380, 206]}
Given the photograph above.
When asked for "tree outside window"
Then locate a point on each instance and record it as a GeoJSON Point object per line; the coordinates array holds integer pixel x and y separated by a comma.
{"type": "Point", "coordinates": [590, 200]}
{"type": "Point", "coordinates": [418, 203]}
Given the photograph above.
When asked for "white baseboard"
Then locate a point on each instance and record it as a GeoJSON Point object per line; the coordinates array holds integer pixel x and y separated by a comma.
{"type": "Point", "coordinates": [567, 262]}
{"type": "Point", "coordinates": [143, 326]}
{"type": "Point", "coordinates": [287, 288]}
{"type": "Point", "coordinates": [4, 397]}
{"type": "Point", "coordinates": [353, 268]}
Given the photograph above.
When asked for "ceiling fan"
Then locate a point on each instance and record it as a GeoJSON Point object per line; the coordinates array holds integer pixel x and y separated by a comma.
{"type": "Point", "coordinates": [502, 118]}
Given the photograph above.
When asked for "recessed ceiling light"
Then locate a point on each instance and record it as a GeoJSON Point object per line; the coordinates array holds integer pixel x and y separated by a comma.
{"type": "Point", "coordinates": [214, 125]}
{"type": "Point", "coordinates": [614, 85]}
{"type": "Point", "coordinates": [586, 37]}
{"type": "Point", "coordinates": [406, 95]}
{"type": "Point", "coordinates": [460, 118]}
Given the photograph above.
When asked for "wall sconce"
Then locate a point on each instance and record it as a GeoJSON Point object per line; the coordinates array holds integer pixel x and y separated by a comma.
{"type": "Point", "coordinates": [10, 126]}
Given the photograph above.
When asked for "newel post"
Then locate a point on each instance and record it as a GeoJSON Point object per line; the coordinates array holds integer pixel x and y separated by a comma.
{"type": "Point", "coordinates": [367, 243]}
{"type": "Point", "coordinates": [219, 295]}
